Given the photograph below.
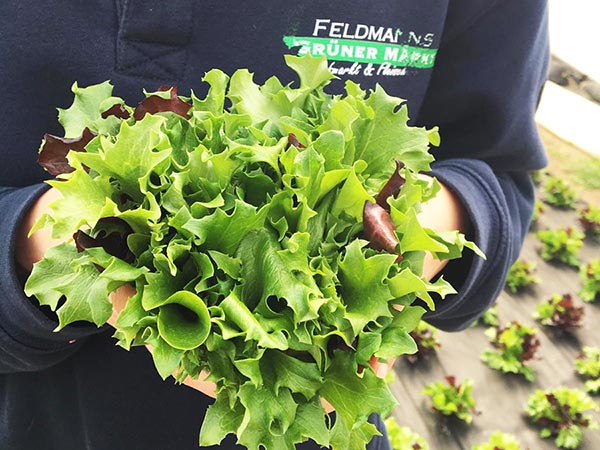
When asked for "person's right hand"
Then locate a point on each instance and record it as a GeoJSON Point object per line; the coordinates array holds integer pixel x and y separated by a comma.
{"type": "Point", "coordinates": [29, 250]}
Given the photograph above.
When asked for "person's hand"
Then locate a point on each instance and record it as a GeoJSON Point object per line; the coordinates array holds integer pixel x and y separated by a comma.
{"type": "Point", "coordinates": [29, 250]}
{"type": "Point", "coordinates": [444, 212]}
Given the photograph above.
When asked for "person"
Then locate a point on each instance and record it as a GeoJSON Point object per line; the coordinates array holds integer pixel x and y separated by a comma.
{"type": "Point", "coordinates": [473, 68]}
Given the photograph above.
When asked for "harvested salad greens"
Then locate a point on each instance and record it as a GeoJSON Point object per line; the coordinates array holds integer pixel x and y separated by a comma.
{"type": "Point", "coordinates": [269, 232]}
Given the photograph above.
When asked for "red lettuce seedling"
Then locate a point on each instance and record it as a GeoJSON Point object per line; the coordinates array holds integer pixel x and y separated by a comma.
{"type": "Point", "coordinates": [561, 413]}
{"type": "Point", "coordinates": [560, 311]}
{"type": "Point", "coordinates": [589, 218]}
{"type": "Point", "coordinates": [514, 346]}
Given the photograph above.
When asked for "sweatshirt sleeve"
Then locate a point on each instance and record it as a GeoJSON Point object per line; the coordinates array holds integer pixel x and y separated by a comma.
{"type": "Point", "coordinates": [27, 339]}
{"type": "Point", "coordinates": [483, 94]}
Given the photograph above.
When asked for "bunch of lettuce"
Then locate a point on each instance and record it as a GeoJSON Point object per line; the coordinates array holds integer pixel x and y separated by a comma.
{"type": "Point", "coordinates": [270, 232]}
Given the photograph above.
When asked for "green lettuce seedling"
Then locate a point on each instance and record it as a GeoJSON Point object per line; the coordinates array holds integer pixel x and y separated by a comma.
{"type": "Point", "coordinates": [514, 346]}
{"type": "Point", "coordinates": [587, 365]}
{"type": "Point", "coordinates": [451, 399]}
{"type": "Point", "coordinates": [520, 275]}
{"type": "Point", "coordinates": [559, 193]}
{"type": "Point", "coordinates": [560, 412]}
{"type": "Point", "coordinates": [538, 176]}
{"type": "Point", "coordinates": [499, 441]}
{"type": "Point", "coordinates": [489, 318]}
{"type": "Point", "coordinates": [403, 438]}
{"type": "Point", "coordinates": [538, 210]}
{"type": "Point", "coordinates": [562, 245]}
{"type": "Point", "coordinates": [590, 278]}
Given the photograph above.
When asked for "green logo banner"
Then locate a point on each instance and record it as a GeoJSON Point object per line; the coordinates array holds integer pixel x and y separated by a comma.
{"type": "Point", "coordinates": [364, 51]}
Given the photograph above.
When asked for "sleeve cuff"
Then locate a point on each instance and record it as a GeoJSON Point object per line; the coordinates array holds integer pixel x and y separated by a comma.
{"type": "Point", "coordinates": [22, 321]}
{"type": "Point", "coordinates": [478, 281]}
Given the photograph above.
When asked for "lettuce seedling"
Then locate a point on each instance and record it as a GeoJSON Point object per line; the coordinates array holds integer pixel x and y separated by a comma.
{"type": "Point", "coordinates": [514, 346]}
{"type": "Point", "coordinates": [489, 318]}
{"type": "Point", "coordinates": [425, 336]}
{"type": "Point", "coordinates": [403, 438]}
{"type": "Point", "coordinates": [499, 441]}
{"type": "Point", "coordinates": [590, 278]}
{"type": "Point", "coordinates": [520, 275]}
{"type": "Point", "coordinates": [270, 234]}
{"type": "Point", "coordinates": [559, 193]}
{"type": "Point", "coordinates": [562, 245]}
{"type": "Point", "coordinates": [589, 218]}
{"type": "Point", "coordinates": [560, 412]}
{"type": "Point", "coordinates": [587, 365]}
{"type": "Point", "coordinates": [560, 311]}
{"type": "Point", "coordinates": [538, 176]}
{"type": "Point", "coordinates": [538, 210]}
{"type": "Point", "coordinates": [451, 399]}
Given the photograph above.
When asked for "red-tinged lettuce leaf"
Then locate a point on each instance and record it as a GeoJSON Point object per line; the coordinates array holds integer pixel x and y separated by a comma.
{"type": "Point", "coordinates": [560, 311]}
{"type": "Point", "coordinates": [117, 110]}
{"type": "Point", "coordinates": [155, 103]}
{"type": "Point", "coordinates": [113, 241]}
{"type": "Point", "coordinates": [54, 150]}
{"type": "Point", "coordinates": [380, 229]}
{"type": "Point", "coordinates": [391, 187]}
{"type": "Point", "coordinates": [293, 140]}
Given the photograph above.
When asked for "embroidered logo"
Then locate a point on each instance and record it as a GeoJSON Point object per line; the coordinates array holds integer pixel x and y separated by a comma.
{"type": "Point", "coordinates": [372, 50]}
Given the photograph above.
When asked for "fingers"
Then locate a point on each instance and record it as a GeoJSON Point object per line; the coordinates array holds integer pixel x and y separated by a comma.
{"type": "Point", "coordinates": [119, 299]}
{"type": "Point", "coordinates": [381, 369]}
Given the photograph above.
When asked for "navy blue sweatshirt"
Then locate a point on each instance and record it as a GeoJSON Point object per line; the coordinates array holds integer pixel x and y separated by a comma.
{"type": "Point", "coordinates": [474, 68]}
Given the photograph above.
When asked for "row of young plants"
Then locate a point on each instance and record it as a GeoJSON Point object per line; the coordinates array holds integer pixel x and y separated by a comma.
{"type": "Point", "coordinates": [514, 346]}
{"type": "Point", "coordinates": [560, 412]}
